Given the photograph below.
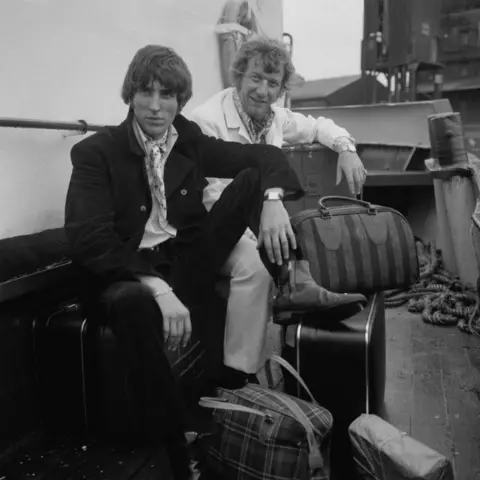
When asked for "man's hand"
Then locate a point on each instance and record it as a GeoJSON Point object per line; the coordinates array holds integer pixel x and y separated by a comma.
{"type": "Point", "coordinates": [176, 317]}
{"type": "Point", "coordinates": [177, 326]}
{"type": "Point", "coordinates": [275, 232]}
{"type": "Point", "coordinates": [352, 167]}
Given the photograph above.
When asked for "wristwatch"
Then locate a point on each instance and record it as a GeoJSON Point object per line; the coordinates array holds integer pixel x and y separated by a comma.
{"type": "Point", "coordinates": [344, 144]}
{"type": "Point", "coordinates": [273, 196]}
{"type": "Point", "coordinates": [346, 147]}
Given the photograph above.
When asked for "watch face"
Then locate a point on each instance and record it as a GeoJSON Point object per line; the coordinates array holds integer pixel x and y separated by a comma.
{"type": "Point", "coordinates": [347, 147]}
{"type": "Point", "coordinates": [273, 196]}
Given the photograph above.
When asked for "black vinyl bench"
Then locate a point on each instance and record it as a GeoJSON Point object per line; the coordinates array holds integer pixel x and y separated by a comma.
{"type": "Point", "coordinates": [58, 414]}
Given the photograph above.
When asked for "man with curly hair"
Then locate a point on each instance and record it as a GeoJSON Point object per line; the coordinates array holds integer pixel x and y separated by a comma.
{"type": "Point", "coordinates": [246, 113]}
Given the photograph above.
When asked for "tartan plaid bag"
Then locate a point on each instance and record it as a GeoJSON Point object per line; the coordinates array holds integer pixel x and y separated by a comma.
{"type": "Point", "coordinates": [261, 434]}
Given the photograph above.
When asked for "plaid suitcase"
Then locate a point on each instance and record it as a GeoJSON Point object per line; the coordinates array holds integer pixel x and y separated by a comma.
{"type": "Point", "coordinates": [343, 363]}
{"type": "Point", "coordinates": [262, 434]}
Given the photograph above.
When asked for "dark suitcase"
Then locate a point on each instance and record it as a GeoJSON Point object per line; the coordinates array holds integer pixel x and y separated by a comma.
{"type": "Point", "coordinates": [343, 363]}
{"type": "Point", "coordinates": [80, 378]}
{"type": "Point", "coordinates": [60, 348]}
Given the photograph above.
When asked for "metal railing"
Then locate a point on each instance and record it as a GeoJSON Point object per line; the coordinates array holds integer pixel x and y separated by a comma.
{"type": "Point", "coordinates": [80, 126]}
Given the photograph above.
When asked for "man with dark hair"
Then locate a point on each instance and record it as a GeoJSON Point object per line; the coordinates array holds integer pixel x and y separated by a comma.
{"type": "Point", "coordinates": [261, 72]}
{"type": "Point", "coordinates": [139, 232]}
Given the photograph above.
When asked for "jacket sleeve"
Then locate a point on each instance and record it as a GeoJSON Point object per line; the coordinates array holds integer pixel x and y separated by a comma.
{"type": "Point", "coordinates": [89, 222]}
{"type": "Point", "coordinates": [203, 120]}
{"type": "Point", "coordinates": [299, 128]}
{"type": "Point", "coordinates": [227, 159]}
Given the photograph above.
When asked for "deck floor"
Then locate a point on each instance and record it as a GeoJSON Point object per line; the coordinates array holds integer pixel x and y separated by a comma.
{"type": "Point", "coordinates": [433, 393]}
{"type": "Point", "coordinates": [433, 388]}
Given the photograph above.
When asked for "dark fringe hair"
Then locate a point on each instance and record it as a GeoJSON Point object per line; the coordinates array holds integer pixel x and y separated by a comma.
{"type": "Point", "coordinates": [156, 62]}
{"type": "Point", "coordinates": [272, 53]}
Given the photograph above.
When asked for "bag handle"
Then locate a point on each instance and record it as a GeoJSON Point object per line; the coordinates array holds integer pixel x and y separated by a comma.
{"type": "Point", "coordinates": [348, 200]}
{"type": "Point", "coordinates": [215, 403]}
{"type": "Point", "coordinates": [314, 457]}
{"type": "Point", "coordinates": [281, 361]}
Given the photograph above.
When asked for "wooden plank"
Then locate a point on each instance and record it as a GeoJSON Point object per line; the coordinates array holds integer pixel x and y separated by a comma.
{"type": "Point", "coordinates": [399, 385]}
{"type": "Point", "coordinates": [93, 460]}
{"type": "Point", "coordinates": [433, 380]}
{"type": "Point", "coordinates": [461, 382]}
{"type": "Point", "coordinates": [157, 467]}
{"type": "Point", "coordinates": [430, 419]}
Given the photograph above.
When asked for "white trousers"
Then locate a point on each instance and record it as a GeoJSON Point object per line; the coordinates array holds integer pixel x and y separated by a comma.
{"type": "Point", "coordinates": [248, 307]}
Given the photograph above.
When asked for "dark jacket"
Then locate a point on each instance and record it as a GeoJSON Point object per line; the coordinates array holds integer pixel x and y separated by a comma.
{"type": "Point", "coordinates": [109, 201]}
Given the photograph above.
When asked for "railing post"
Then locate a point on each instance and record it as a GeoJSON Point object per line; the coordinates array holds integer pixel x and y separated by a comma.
{"type": "Point", "coordinates": [454, 194]}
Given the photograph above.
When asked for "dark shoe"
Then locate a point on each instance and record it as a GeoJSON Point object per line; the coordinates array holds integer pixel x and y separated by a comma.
{"type": "Point", "coordinates": [232, 379]}
{"type": "Point", "coordinates": [302, 293]}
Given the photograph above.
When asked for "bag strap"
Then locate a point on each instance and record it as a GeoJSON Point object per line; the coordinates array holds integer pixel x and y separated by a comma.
{"type": "Point", "coordinates": [210, 402]}
{"type": "Point", "coordinates": [314, 457]}
{"type": "Point", "coordinates": [281, 361]}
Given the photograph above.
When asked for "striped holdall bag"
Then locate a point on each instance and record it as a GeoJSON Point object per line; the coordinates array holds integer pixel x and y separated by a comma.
{"type": "Point", "coordinates": [355, 246]}
{"type": "Point", "coordinates": [262, 434]}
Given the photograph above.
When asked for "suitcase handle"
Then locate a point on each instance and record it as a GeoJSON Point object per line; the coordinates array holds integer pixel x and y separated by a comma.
{"type": "Point", "coordinates": [347, 200]}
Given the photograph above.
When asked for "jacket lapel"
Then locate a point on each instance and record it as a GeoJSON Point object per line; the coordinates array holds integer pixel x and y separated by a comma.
{"type": "Point", "coordinates": [232, 118]}
{"type": "Point", "coordinates": [177, 166]}
{"type": "Point", "coordinates": [275, 134]}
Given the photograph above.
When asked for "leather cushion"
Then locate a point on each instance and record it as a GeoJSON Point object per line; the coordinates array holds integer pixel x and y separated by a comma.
{"type": "Point", "coordinates": [26, 254]}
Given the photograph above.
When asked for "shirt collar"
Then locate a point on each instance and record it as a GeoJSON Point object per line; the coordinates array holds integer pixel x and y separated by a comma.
{"type": "Point", "coordinates": [146, 141]}
{"type": "Point", "coordinates": [257, 129]}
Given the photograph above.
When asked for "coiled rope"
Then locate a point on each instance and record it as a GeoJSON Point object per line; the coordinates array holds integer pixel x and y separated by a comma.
{"type": "Point", "coordinates": [438, 296]}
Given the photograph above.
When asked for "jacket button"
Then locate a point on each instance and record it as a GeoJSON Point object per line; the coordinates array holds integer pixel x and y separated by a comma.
{"type": "Point", "coordinates": [143, 208]}
{"type": "Point", "coordinates": [183, 192]}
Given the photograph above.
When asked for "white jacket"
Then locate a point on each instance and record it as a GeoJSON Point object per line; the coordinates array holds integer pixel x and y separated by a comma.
{"type": "Point", "coordinates": [218, 117]}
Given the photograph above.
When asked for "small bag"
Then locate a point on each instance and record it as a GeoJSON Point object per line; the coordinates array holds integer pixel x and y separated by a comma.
{"type": "Point", "coordinates": [263, 434]}
{"type": "Point", "coordinates": [354, 246]}
{"type": "Point", "coordinates": [382, 452]}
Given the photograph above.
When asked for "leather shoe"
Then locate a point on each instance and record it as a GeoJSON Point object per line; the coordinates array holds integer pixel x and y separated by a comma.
{"type": "Point", "coordinates": [302, 293]}
{"type": "Point", "coordinates": [232, 379]}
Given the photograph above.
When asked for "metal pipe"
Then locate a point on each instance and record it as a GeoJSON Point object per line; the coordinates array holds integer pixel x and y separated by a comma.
{"type": "Point", "coordinates": [397, 85]}
{"type": "Point", "coordinates": [413, 82]}
{"type": "Point", "coordinates": [78, 126]}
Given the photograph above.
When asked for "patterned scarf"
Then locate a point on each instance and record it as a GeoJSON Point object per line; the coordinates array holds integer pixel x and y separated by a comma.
{"type": "Point", "coordinates": [257, 129]}
{"type": "Point", "coordinates": [155, 162]}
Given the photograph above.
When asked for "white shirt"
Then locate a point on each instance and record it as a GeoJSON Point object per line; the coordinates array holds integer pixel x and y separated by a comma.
{"type": "Point", "coordinates": [157, 228]}
{"type": "Point", "coordinates": [218, 117]}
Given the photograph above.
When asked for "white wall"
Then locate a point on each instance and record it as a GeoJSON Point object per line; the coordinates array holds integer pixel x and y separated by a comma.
{"type": "Point", "coordinates": [65, 60]}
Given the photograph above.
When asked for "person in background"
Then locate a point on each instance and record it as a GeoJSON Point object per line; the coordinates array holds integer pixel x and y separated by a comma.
{"type": "Point", "coordinates": [246, 113]}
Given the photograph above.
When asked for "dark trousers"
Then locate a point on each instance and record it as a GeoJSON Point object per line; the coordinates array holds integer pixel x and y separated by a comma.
{"type": "Point", "coordinates": [134, 316]}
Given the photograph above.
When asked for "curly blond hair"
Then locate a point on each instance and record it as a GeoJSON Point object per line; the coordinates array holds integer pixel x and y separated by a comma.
{"type": "Point", "coordinates": [273, 54]}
